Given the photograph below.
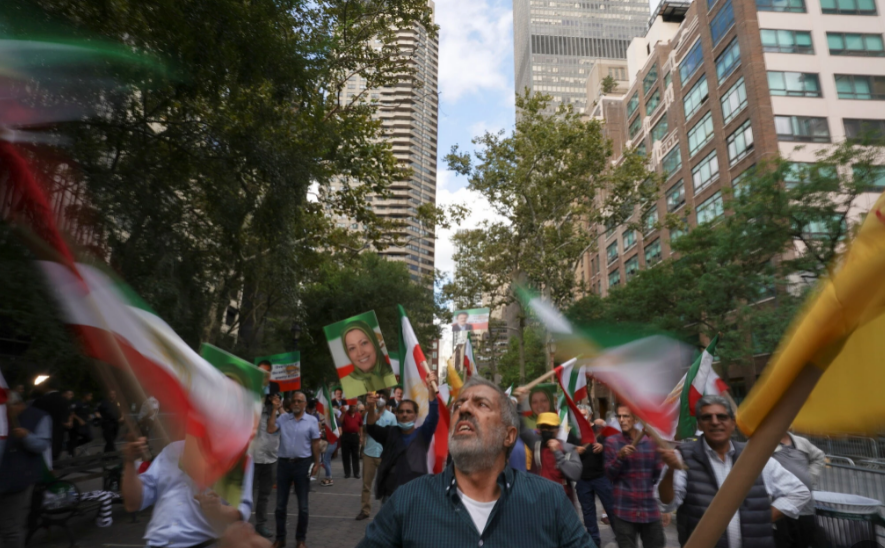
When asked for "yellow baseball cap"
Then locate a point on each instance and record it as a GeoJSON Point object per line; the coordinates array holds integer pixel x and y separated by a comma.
{"type": "Point", "coordinates": [547, 419]}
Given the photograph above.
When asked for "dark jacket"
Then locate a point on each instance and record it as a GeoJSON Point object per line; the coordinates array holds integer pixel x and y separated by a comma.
{"type": "Point", "coordinates": [568, 461]}
{"type": "Point", "coordinates": [401, 464]}
{"type": "Point", "coordinates": [594, 463]}
{"type": "Point", "coordinates": [21, 467]}
{"type": "Point", "coordinates": [59, 410]}
{"type": "Point", "coordinates": [701, 487]}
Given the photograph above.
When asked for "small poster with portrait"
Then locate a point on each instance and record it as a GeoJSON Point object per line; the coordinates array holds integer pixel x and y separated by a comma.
{"type": "Point", "coordinates": [285, 370]}
{"type": "Point", "coordinates": [360, 355]}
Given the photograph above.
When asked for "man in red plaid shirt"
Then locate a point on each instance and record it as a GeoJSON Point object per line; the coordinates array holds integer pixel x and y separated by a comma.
{"type": "Point", "coordinates": [634, 468]}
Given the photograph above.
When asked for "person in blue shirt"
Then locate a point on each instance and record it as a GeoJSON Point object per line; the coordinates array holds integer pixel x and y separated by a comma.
{"type": "Point", "coordinates": [404, 456]}
{"type": "Point", "coordinates": [184, 516]}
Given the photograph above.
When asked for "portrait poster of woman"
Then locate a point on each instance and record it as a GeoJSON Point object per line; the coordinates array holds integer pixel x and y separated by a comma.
{"type": "Point", "coordinates": [360, 355]}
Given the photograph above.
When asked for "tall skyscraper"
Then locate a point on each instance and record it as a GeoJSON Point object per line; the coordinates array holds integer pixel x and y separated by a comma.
{"type": "Point", "coordinates": [409, 114]}
{"type": "Point", "coordinates": [556, 42]}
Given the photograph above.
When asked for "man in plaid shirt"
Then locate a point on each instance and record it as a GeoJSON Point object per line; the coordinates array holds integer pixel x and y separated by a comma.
{"type": "Point", "coordinates": [634, 468]}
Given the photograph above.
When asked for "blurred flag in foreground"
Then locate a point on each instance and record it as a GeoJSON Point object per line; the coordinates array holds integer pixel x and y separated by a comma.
{"type": "Point", "coordinates": [414, 373]}
{"type": "Point", "coordinates": [573, 381]}
{"type": "Point", "coordinates": [115, 326]}
{"type": "Point", "coordinates": [639, 365]}
{"type": "Point", "coordinates": [840, 332]}
{"type": "Point", "coordinates": [324, 406]}
{"type": "Point", "coordinates": [454, 380]}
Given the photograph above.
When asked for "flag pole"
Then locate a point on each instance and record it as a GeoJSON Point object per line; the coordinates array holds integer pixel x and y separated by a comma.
{"type": "Point", "coordinates": [539, 380]}
{"type": "Point", "coordinates": [752, 460]}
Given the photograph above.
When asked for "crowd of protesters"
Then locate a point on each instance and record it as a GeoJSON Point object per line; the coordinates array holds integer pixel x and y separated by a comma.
{"type": "Point", "coordinates": [505, 470]}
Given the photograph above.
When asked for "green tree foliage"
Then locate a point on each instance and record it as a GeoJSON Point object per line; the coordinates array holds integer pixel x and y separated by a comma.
{"type": "Point", "coordinates": [211, 182]}
{"type": "Point", "coordinates": [609, 84]}
{"type": "Point", "coordinates": [371, 283]}
{"type": "Point", "coordinates": [535, 358]}
{"type": "Point", "coordinates": [746, 274]}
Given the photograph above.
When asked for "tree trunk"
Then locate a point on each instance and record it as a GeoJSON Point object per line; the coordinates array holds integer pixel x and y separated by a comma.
{"type": "Point", "coordinates": [521, 349]}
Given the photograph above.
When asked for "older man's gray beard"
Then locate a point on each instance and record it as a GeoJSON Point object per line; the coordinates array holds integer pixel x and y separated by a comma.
{"type": "Point", "coordinates": [479, 452]}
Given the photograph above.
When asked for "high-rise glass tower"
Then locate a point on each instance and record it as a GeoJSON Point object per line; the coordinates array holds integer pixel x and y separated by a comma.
{"type": "Point", "coordinates": [556, 42]}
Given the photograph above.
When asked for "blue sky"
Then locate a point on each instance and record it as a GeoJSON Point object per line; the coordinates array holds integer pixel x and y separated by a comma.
{"type": "Point", "coordinates": [476, 94]}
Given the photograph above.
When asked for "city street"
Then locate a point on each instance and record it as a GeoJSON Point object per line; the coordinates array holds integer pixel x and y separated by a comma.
{"type": "Point", "coordinates": [332, 523]}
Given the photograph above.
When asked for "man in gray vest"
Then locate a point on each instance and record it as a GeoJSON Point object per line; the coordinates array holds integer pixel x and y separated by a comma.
{"type": "Point", "coordinates": [776, 493]}
{"type": "Point", "coordinates": [21, 466]}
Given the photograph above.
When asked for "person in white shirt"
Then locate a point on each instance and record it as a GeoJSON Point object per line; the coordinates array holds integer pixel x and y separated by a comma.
{"type": "Point", "coordinates": [775, 494]}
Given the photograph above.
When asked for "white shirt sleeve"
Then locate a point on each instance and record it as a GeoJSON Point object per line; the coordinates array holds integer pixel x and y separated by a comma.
{"type": "Point", "coordinates": [679, 481]}
{"type": "Point", "coordinates": [788, 494]}
{"type": "Point", "coordinates": [245, 506]}
{"type": "Point", "coordinates": [149, 481]}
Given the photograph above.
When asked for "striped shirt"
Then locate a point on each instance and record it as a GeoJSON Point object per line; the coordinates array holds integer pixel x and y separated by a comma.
{"type": "Point", "coordinates": [633, 479]}
{"type": "Point", "coordinates": [428, 511]}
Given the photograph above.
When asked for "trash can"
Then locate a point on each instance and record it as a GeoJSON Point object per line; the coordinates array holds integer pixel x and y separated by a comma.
{"type": "Point", "coordinates": [848, 519]}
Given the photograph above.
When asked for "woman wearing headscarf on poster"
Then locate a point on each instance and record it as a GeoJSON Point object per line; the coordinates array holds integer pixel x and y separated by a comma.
{"type": "Point", "coordinates": [371, 372]}
{"type": "Point", "coordinates": [540, 401]}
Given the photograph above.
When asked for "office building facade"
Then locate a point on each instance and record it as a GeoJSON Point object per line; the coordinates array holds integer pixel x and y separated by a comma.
{"type": "Point", "coordinates": [556, 43]}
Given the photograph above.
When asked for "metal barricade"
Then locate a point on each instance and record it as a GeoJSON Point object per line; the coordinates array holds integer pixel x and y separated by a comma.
{"type": "Point", "coordinates": [854, 480]}
{"type": "Point", "coordinates": [857, 447]}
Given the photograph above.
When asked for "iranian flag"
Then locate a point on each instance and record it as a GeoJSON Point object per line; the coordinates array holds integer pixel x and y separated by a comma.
{"type": "Point", "coordinates": [115, 326]}
{"type": "Point", "coordinates": [573, 381]}
{"type": "Point", "coordinates": [285, 370]}
{"type": "Point", "coordinates": [414, 371]}
{"type": "Point", "coordinates": [469, 360]}
{"type": "Point", "coordinates": [700, 380]}
{"type": "Point", "coordinates": [325, 407]}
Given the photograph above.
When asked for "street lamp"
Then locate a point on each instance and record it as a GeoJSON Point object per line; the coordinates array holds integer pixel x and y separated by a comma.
{"type": "Point", "coordinates": [40, 379]}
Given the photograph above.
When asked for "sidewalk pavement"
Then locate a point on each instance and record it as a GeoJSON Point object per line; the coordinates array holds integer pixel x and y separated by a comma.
{"type": "Point", "coordinates": [332, 523]}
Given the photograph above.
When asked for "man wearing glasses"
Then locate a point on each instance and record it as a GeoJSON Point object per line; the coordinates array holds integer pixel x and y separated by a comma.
{"type": "Point", "coordinates": [299, 447]}
{"type": "Point", "coordinates": [775, 494]}
{"type": "Point", "coordinates": [634, 468]}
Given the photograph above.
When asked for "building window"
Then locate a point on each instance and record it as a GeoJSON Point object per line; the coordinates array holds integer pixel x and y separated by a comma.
{"type": "Point", "coordinates": [660, 130]}
{"type": "Point", "coordinates": [641, 150]}
{"type": "Point", "coordinates": [676, 233]}
{"type": "Point", "coordinates": [794, 84]}
{"type": "Point", "coordinates": [734, 100]}
{"type": "Point", "coordinates": [739, 182]}
{"type": "Point", "coordinates": [786, 41]}
{"type": "Point", "coordinates": [728, 60]}
{"type": "Point", "coordinates": [635, 126]}
{"type": "Point", "coordinates": [632, 104]}
{"type": "Point", "coordinates": [676, 196]}
{"type": "Point", "coordinates": [671, 162]}
{"type": "Point", "coordinates": [705, 172]}
{"type": "Point", "coordinates": [710, 209]}
{"type": "Point", "coordinates": [611, 253]}
{"type": "Point", "coordinates": [668, 79]}
{"type": "Point", "coordinates": [848, 7]}
{"type": "Point", "coordinates": [691, 62]}
{"type": "Point", "coordinates": [846, 43]}
{"type": "Point", "coordinates": [795, 6]}
{"type": "Point", "coordinates": [871, 177]}
{"type": "Point", "coordinates": [614, 278]}
{"type": "Point", "coordinates": [869, 131]}
{"type": "Point", "coordinates": [629, 239]}
{"type": "Point", "coordinates": [740, 143]}
{"type": "Point", "coordinates": [653, 253]}
{"type": "Point", "coordinates": [695, 97]}
{"type": "Point", "coordinates": [723, 21]}
{"type": "Point", "coordinates": [864, 88]}
{"type": "Point", "coordinates": [631, 267]}
{"type": "Point", "coordinates": [802, 128]}
{"type": "Point", "coordinates": [650, 79]}
{"type": "Point", "coordinates": [650, 220]}
{"type": "Point", "coordinates": [653, 102]}
{"type": "Point", "coordinates": [700, 134]}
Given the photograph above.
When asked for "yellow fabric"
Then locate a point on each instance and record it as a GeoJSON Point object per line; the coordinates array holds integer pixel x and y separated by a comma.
{"type": "Point", "coordinates": [548, 419]}
{"type": "Point", "coordinates": [841, 331]}
{"type": "Point", "coordinates": [454, 380]}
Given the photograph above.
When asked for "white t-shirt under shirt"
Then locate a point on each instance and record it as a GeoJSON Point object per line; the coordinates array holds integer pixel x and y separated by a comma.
{"type": "Point", "coordinates": [479, 511]}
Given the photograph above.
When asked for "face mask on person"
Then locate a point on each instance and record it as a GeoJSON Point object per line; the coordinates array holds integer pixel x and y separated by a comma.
{"type": "Point", "coordinates": [381, 403]}
{"type": "Point", "coordinates": [406, 425]}
{"type": "Point", "coordinates": [547, 435]}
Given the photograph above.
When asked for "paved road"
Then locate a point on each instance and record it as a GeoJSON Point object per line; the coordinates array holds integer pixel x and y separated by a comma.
{"type": "Point", "coordinates": [332, 523]}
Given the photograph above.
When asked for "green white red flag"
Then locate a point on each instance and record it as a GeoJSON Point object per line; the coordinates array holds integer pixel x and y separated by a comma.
{"type": "Point", "coordinates": [700, 380]}
{"type": "Point", "coordinates": [413, 374]}
{"type": "Point", "coordinates": [469, 360]}
{"type": "Point", "coordinates": [573, 381]}
{"type": "Point", "coordinates": [324, 406]}
{"type": "Point", "coordinates": [115, 326]}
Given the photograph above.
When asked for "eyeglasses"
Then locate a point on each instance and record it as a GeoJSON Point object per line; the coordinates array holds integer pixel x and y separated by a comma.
{"type": "Point", "coordinates": [721, 417]}
{"type": "Point", "coordinates": [625, 416]}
